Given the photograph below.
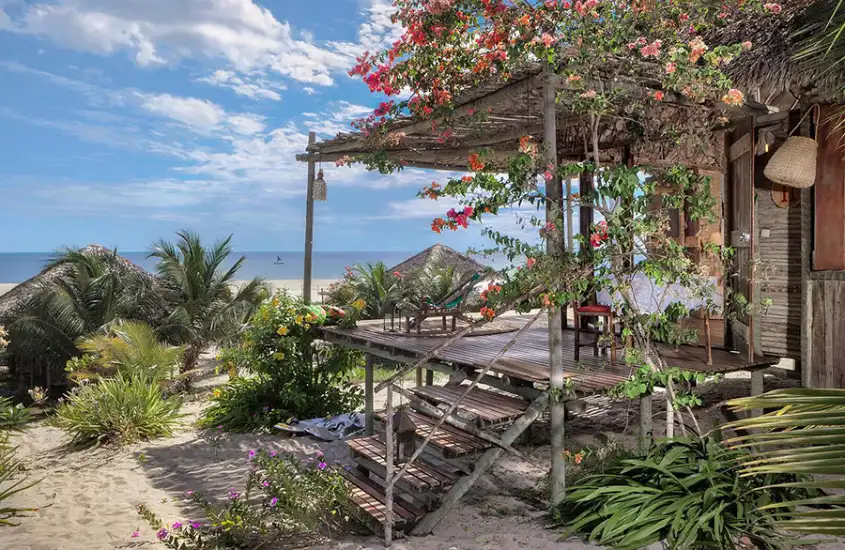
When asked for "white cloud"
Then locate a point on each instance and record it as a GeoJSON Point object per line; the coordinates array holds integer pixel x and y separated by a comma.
{"type": "Point", "coordinates": [199, 114]}
{"type": "Point", "coordinates": [245, 35]}
{"type": "Point", "coordinates": [309, 90]}
{"type": "Point", "coordinates": [253, 86]}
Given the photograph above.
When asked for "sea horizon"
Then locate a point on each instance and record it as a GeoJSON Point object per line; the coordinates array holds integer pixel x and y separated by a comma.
{"type": "Point", "coordinates": [17, 267]}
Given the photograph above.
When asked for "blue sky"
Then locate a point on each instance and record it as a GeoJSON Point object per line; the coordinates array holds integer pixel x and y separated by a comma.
{"type": "Point", "coordinates": [125, 120]}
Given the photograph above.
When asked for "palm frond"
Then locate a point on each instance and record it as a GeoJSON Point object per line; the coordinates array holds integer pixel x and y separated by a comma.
{"type": "Point", "coordinates": [805, 435]}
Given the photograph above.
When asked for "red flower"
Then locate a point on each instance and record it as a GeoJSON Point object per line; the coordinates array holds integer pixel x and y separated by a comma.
{"type": "Point", "coordinates": [488, 313]}
{"type": "Point", "coordinates": [475, 162]}
{"type": "Point", "coordinates": [530, 262]}
{"type": "Point", "coordinates": [658, 95]}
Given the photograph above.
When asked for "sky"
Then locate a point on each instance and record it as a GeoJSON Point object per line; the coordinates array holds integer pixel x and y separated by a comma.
{"type": "Point", "coordinates": [123, 121]}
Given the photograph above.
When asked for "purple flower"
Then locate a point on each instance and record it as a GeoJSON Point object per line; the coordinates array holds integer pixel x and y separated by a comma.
{"type": "Point", "coordinates": [195, 525]}
{"type": "Point", "coordinates": [189, 494]}
{"type": "Point", "coordinates": [273, 502]}
{"type": "Point", "coordinates": [233, 495]}
{"type": "Point", "coordinates": [273, 454]}
{"type": "Point", "coordinates": [322, 465]}
{"type": "Point", "coordinates": [177, 525]}
{"type": "Point", "coordinates": [266, 483]}
{"type": "Point", "coordinates": [251, 454]}
{"type": "Point", "coordinates": [220, 427]}
{"type": "Point", "coordinates": [320, 454]}
{"type": "Point", "coordinates": [135, 534]}
{"type": "Point", "coordinates": [161, 533]}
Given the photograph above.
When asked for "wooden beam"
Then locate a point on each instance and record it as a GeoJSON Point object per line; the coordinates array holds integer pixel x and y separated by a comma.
{"type": "Point", "coordinates": [388, 469]}
{"type": "Point", "coordinates": [464, 483]}
{"type": "Point", "coordinates": [553, 246]}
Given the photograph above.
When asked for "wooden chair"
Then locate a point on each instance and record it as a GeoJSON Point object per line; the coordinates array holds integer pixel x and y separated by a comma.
{"type": "Point", "coordinates": [599, 312]}
{"type": "Point", "coordinates": [452, 306]}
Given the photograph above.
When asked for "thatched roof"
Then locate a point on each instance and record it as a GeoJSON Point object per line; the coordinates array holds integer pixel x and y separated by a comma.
{"type": "Point", "coordinates": [439, 255]}
{"type": "Point", "coordinates": [13, 302]}
{"type": "Point", "coordinates": [769, 75]}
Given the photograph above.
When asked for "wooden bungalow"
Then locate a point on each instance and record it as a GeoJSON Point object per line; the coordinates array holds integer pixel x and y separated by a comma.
{"type": "Point", "coordinates": [790, 243]}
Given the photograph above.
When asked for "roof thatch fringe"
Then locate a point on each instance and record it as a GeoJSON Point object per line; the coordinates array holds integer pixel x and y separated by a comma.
{"type": "Point", "coordinates": [439, 255]}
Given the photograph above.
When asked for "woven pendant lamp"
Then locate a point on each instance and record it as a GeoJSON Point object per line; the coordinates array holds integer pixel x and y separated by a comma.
{"type": "Point", "coordinates": [794, 163]}
{"type": "Point", "coordinates": [320, 188]}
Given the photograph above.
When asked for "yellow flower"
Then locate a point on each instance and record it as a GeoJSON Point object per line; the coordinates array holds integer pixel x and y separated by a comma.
{"type": "Point", "coordinates": [359, 304]}
{"type": "Point", "coordinates": [265, 314]}
{"type": "Point", "coordinates": [307, 326]}
{"type": "Point", "coordinates": [298, 319]}
{"type": "Point", "coordinates": [275, 302]}
{"type": "Point", "coordinates": [309, 317]}
{"type": "Point", "coordinates": [283, 331]}
{"type": "Point", "coordinates": [217, 393]}
{"type": "Point", "coordinates": [278, 356]}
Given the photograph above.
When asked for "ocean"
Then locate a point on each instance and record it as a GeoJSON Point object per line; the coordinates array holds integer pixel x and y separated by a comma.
{"type": "Point", "coordinates": [18, 267]}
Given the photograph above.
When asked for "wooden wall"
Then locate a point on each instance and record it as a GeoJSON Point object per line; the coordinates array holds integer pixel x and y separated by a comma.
{"type": "Point", "coordinates": [827, 338]}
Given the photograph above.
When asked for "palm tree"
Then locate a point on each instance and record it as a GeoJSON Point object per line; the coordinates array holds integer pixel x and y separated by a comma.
{"type": "Point", "coordinates": [822, 44]}
{"type": "Point", "coordinates": [804, 436]}
{"type": "Point", "coordinates": [204, 308]}
{"type": "Point", "coordinates": [84, 291]}
{"type": "Point", "coordinates": [379, 289]}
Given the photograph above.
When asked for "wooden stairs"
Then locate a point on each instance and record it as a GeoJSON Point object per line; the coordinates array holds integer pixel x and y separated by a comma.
{"type": "Point", "coordinates": [451, 462]}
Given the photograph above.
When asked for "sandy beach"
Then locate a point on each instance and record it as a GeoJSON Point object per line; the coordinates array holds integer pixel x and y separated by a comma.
{"type": "Point", "coordinates": [294, 286]}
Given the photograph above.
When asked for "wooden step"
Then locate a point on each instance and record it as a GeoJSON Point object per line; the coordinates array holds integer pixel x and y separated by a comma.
{"type": "Point", "coordinates": [486, 407]}
{"type": "Point", "coordinates": [422, 476]}
{"type": "Point", "coordinates": [369, 497]}
{"type": "Point", "coordinates": [451, 441]}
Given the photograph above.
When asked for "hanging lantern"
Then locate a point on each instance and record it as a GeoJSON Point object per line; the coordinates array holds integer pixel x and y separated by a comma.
{"type": "Point", "coordinates": [794, 163]}
{"type": "Point", "coordinates": [320, 188]}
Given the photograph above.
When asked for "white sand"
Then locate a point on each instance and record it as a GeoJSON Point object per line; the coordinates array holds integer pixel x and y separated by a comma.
{"type": "Point", "coordinates": [294, 286]}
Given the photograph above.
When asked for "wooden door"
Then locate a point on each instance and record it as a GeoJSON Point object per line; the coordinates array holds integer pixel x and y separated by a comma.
{"type": "Point", "coordinates": [741, 227]}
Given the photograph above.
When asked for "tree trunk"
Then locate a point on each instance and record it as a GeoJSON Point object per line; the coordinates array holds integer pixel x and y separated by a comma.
{"type": "Point", "coordinates": [192, 355]}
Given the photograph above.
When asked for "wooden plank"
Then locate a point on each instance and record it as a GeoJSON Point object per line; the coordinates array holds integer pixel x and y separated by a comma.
{"type": "Point", "coordinates": [452, 441]}
{"type": "Point", "coordinates": [421, 474]}
{"type": "Point", "coordinates": [818, 336]}
{"type": "Point", "coordinates": [367, 494]}
{"type": "Point", "coordinates": [740, 147]}
{"type": "Point", "coordinates": [829, 234]}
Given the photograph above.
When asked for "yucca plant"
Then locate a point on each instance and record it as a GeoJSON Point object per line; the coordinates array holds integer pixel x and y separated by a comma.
{"type": "Point", "coordinates": [128, 347]}
{"type": "Point", "coordinates": [688, 493]}
{"type": "Point", "coordinates": [122, 410]}
{"type": "Point", "coordinates": [804, 435]}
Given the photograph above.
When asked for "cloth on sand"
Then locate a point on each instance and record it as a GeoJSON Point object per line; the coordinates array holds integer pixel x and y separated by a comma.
{"type": "Point", "coordinates": [327, 429]}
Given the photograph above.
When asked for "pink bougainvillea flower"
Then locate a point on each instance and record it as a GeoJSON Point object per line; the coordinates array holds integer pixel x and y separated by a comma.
{"type": "Point", "coordinates": [746, 45]}
{"type": "Point", "coordinates": [773, 7]}
{"type": "Point", "coordinates": [671, 68]}
{"type": "Point", "coordinates": [548, 175]}
{"type": "Point", "coordinates": [468, 211]}
{"type": "Point", "coordinates": [530, 262]}
{"type": "Point", "coordinates": [589, 94]}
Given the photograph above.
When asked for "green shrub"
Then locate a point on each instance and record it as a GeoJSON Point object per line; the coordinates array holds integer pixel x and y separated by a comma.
{"type": "Point", "coordinates": [688, 493]}
{"type": "Point", "coordinates": [122, 410]}
{"type": "Point", "coordinates": [13, 417]}
{"type": "Point", "coordinates": [289, 372]}
{"type": "Point", "coordinates": [12, 481]}
{"type": "Point", "coordinates": [285, 501]}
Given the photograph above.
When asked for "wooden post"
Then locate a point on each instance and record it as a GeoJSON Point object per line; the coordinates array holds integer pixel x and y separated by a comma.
{"type": "Point", "coordinates": [429, 377]}
{"type": "Point", "coordinates": [419, 377]}
{"type": "Point", "coordinates": [645, 421]}
{"type": "Point", "coordinates": [670, 418]}
{"type": "Point", "coordinates": [309, 225]}
{"type": "Point", "coordinates": [553, 247]}
{"type": "Point", "coordinates": [429, 522]}
{"type": "Point", "coordinates": [369, 408]}
{"type": "Point", "coordinates": [388, 469]}
{"type": "Point", "coordinates": [757, 388]}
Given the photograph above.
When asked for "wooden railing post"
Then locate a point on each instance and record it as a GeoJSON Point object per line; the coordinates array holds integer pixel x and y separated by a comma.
{"type": "Point", "coordinates": [388, 468]}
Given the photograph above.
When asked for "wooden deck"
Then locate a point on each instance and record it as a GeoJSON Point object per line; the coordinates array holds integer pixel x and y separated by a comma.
{"type": "Point", "coordinates": [528, 359]}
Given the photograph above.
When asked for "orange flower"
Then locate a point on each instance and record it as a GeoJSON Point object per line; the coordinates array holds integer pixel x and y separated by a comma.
{"type": "Point", "coordinates": [475, 162]}
{"type": "Point", "coordinates": [579, 458]}
{"type": "Point", "coordinates": [488, 313]}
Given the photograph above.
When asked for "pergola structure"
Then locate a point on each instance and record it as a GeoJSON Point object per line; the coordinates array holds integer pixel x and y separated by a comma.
{"type": "Point", "coordinates": [524, 105]}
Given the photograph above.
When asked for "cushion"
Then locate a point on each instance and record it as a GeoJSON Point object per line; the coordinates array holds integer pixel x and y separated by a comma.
{"type": "Point", "coordinates": [605, 310]}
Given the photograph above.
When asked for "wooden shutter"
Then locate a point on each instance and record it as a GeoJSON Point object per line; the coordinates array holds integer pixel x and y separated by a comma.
{"type": "Point", "coordinates": [740, 154]}
{"type": "Point", "coordinates": [829, 233]}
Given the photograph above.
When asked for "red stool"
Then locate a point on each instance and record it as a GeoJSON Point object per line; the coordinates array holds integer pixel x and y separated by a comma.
{"type": "Point", "coordinates": [597, 311]}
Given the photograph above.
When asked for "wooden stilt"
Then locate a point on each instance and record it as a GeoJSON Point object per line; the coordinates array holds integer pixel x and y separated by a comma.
{"type": "Point", "coordinates": [429, 522]}
{"type": "Point", "coordinates": [670, 418]}
{"type": "Point", "coordinates": [645, 421]}
{"type": "Point", "coordinates": [429, 377]}
{"type": "Point", "coordinates": [419, 377]}
{"type": "Point", "coordinates": [388, 476]}
{"type": "Point", "coordinates": [554, 246]}
{"type": "Point", "coordinates": [757, 388]}
{"type": "Point", "coordinates": [368, 394]}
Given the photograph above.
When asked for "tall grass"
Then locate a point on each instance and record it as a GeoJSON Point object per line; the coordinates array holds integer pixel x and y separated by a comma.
{"type": "Point", "coordinates": [122, 410]}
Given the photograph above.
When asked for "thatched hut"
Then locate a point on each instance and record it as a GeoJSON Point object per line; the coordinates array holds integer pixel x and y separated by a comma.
{"type": "Point", "coordinates": [437, 256]}
{"type": "Point", "coordinates": [34, 325]}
